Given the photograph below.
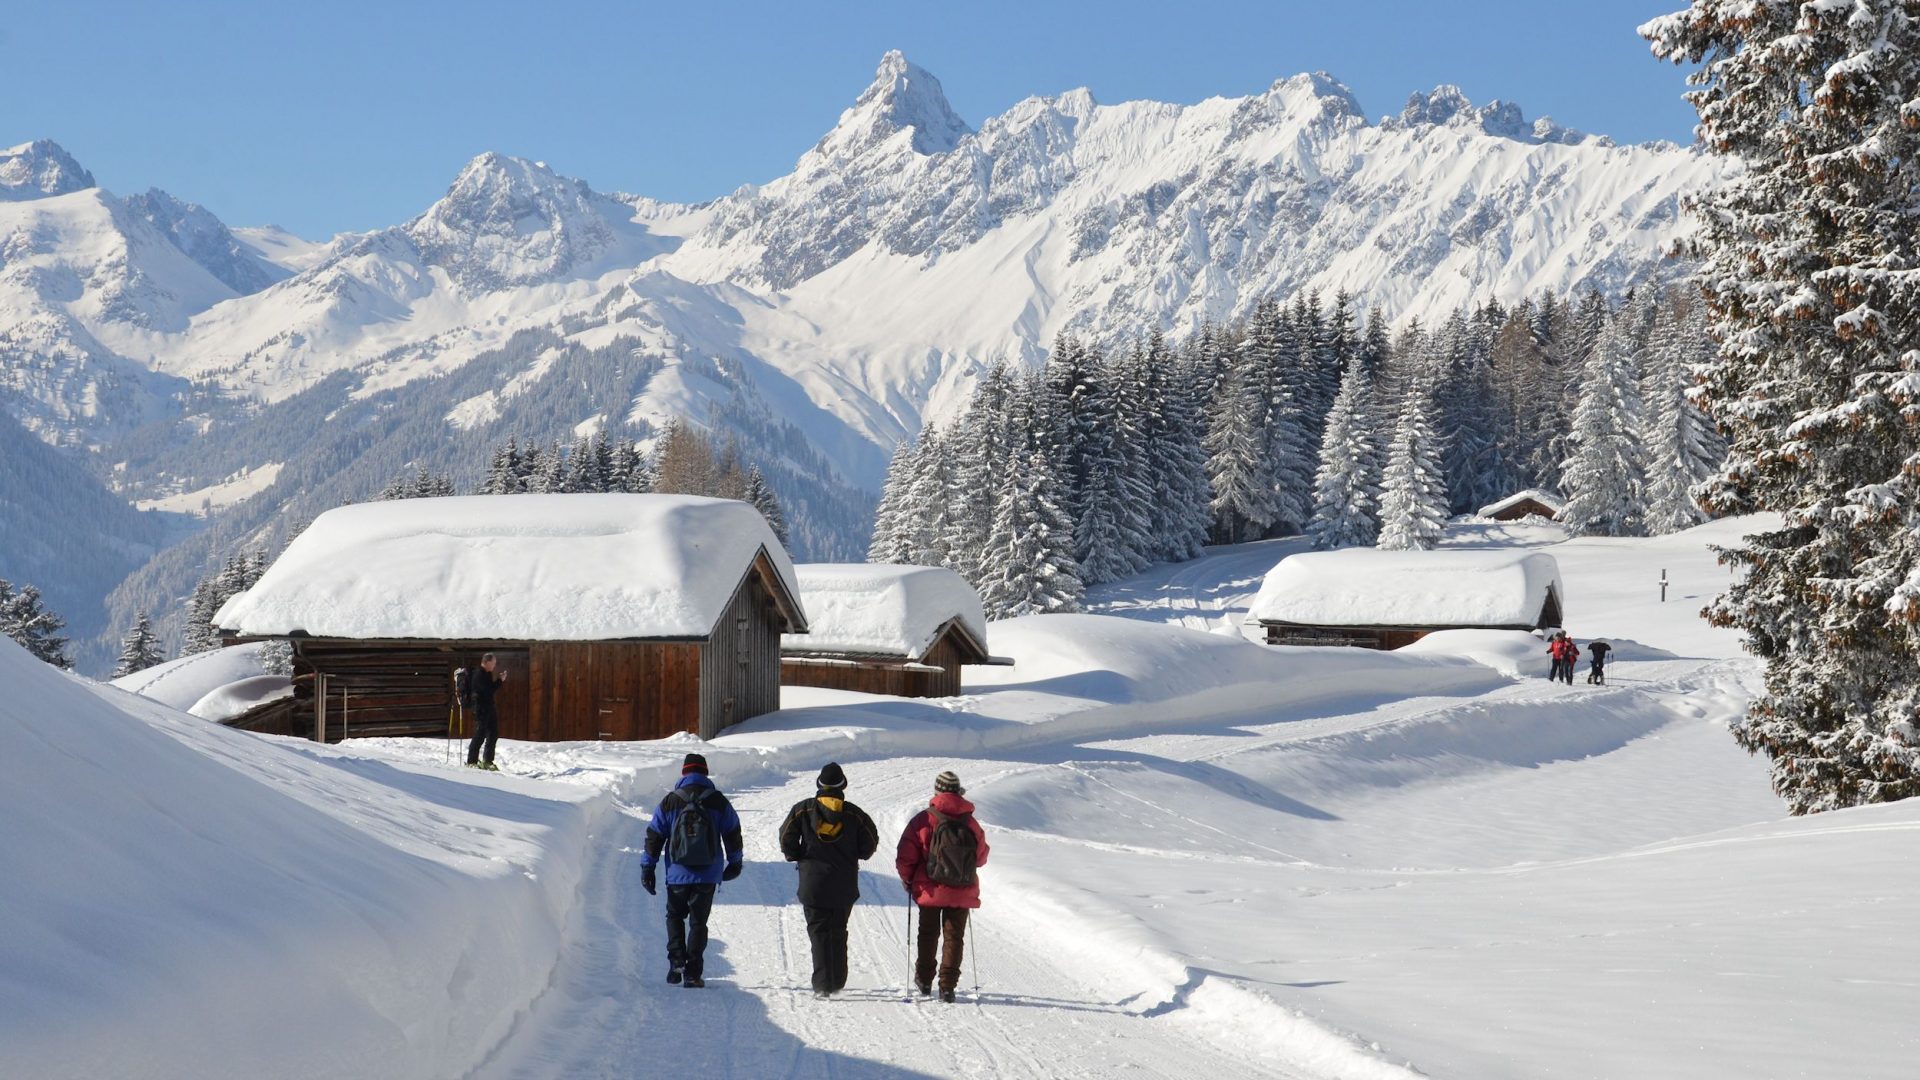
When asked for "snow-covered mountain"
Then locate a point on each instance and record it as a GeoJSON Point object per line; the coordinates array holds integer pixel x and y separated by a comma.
{"type": "Point", "coordinates": [822, 317]}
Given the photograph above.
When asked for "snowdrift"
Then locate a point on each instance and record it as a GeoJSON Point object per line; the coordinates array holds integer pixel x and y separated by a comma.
{"type": "Point", "coordinates": [882, 609]}
{"type": "Point", "coordinates": [187, 900]}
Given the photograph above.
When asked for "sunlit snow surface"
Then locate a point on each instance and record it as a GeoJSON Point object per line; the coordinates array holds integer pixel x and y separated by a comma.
{"type": "Point", "coordinates": [1210, 858]}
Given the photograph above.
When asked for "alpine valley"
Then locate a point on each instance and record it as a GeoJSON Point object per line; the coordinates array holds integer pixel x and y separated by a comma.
{"type": "Point", "coordinates": [236, 381]}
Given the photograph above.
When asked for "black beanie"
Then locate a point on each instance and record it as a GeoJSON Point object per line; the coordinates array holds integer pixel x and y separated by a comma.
{"type": "Point", "coordinates": [694, 763]}
{"type": "Point", "coordinates": [832, 777]}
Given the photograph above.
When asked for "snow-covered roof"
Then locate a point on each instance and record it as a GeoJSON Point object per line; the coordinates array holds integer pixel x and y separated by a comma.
{"type": "Point", "coordinates": [1445, 587]}
{"type": "Point", "coordinates": [513, 567]}
{"type": "Point", "coordinates": [882, 609]}
{"type": "Point", "coordinates": [182, 682]}
{"type": "Point", "coordinates": [1545, 498]}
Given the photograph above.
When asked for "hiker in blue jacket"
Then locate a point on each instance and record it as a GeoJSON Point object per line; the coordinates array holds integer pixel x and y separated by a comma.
{"type": "Point", "coordinates": [697, 833]}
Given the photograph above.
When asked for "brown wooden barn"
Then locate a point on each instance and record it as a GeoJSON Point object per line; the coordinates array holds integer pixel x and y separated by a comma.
{"type": "Point", "coordinates": [1389, 599]}
{"type": "Point", "coordinates": [615, 617]}
{"type": "Point", "coordinates": [880, 628]}
{"type": "Point", "coordinates": [1531, 503]}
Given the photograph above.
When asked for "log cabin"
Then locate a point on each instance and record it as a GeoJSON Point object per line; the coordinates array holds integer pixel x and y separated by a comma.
{"type": "Point", "coordinates": [613, 617]}
{"type": "Point", "coordinates": [1531, 503]}
{"type": "Point", "coordinates": [881, 628]}
{"type": "Point", "coordinates": [1389, 599]}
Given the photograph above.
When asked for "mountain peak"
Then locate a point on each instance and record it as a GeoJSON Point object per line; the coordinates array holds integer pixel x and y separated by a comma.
{"type": "Point", "coordinates": [39, 169]}
{"type": "Point", "coordinates": [902, 96]}
{"type": "Point", "coordinates": [509, 221]}
{"type": "Point", "coordinates": [1447, 104]}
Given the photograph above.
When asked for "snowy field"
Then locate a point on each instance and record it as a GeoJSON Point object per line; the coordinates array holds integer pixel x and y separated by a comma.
{"type": "Point", "coordinates": [1209, 858]}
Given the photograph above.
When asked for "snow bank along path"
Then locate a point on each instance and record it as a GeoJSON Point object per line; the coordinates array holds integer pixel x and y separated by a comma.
{"type": "Point", "coordinates": [187, 900]}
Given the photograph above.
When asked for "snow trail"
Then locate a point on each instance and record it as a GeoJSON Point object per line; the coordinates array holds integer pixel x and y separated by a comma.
{"type": "Point", "coordinates": [611, 1013]}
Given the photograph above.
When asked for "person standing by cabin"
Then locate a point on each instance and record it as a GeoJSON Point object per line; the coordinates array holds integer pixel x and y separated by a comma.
{"type": "Point", "coordinates": [828, 837]}
{"type": "Point", "coordinates": [482, 685]}
{"type": "Point", "coordinates": [1569, 657]}
{"type": "Point", "coordinates": [1557, 653]}
{"type": "Point", "coordinates": [696, 831]}
{"type": "Point", "coordinates": [1597, 673]}
{"type": "Point", "coordinates": [938, 859]}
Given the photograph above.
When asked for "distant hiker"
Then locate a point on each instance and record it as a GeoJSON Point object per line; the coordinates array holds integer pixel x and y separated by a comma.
{"type": "Point", "coordinates": [697, 831]}
{"type": "Point", "coordinates": [477, 697]}
{"type": "Point", "coordinates": [938, 859]}
{"type": "Point", "coordinates": [1557, 653]}
{"type": "Point", "coordinates": [1569, 656]}
{"type": "Point", "coordinates": [1598, 672]}
{"type": "Point", "coordinates": [828, 837]}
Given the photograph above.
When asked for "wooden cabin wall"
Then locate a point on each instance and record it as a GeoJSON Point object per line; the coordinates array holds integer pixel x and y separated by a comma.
{"type": "Point", "coordinates": [740, 665]}
{"type": "Point", "coordinates": [882, 677]}
{"type": "Point", "coordinates": [619, 690]}
{"type": "Point", "coordinates": [385, 689]}
{"type": "Point", "coordinates": [1352, 637]}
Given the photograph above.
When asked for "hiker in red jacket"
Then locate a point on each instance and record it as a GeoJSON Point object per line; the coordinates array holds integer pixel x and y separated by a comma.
{"type": "Point", "coordinates": [939, 857]}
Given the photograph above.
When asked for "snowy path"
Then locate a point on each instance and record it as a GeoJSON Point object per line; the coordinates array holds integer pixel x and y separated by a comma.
{"type": "Point", "coordinates": [610, 1012]}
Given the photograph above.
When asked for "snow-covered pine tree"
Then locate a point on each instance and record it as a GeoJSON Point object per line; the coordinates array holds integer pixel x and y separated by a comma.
{"type": "Point", "coordinates": [1111, 536]}
{"type": "Point", "coordinates": [1347, 485]}
{"type": "Point", "coordinates": [1604, 473]}
{"type": "Point", "coordinates": [139, 648]}
{"type": "Point", "coordinates": [1237, 466]}
{"type": "Point", "coordinates": [1032, 570]}
{"type": "Point", "coordinates": [892, 536]}
{"type": "Point", "coordinates": [1288, 369]}
{"type": "Point", "coordinates": [1681, 446]}
{"type": "Point", "coordinates": [28, 621]}
{"type": "Point", "coordinates": [979, 442]}
{"type": "Point", "coordinates": [1469, 426]}
{"type": "Point", "coordinates": [1809, 253]}
{"type": "Point", "coordinates": [1183, 495]}
{"type": "Point", "coordinates": [928, 509]}
{"type": "Point", "coordinates": [1413, 495]}
{"type": "Point", "coordinates": [760, 494]}
{"type": "Point", "coordinates": [530, 472]}
{"type": "Point", "coordinates": [503, 470]}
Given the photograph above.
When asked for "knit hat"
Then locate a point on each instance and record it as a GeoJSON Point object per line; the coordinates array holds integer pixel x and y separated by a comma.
{"type": "Point", "coordinates": [832, 776]}
{"type": "Point", "coordinates": [948, 782]}
{"type": "Point", "coordinates": [694, 763]}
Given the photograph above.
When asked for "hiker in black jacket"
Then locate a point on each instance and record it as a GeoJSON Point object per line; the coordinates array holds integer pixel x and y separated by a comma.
{"type": "Point", "coordinates": [482, 685]}
{"type": "Point", "coordinates": [1598, 672]}
{"type": "Point", "coordinates": [828, 837]}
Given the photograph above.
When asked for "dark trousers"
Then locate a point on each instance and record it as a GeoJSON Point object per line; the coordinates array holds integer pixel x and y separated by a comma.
{"type": "Point", "coordinates": [946, 926]}
{"type": "Point", "coordinates": [1598, 674]}
{"type": "Point", "coordinates": [1554, 674]}
{"type": "Point", "coordinates": [687, 910]}
{"type": "Point", "coordinates": [486, 732]}
{"type": "Point", "coordinates": [827, 931]}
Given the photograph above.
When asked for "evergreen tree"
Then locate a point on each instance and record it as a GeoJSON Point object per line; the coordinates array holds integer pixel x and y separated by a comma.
{"type": "Point", "coordinates": [1682, 446]}
{"type": "Point", "coordinates": [1809, 253]}
{"type": "Point", "coordinates": [1243, 488]}
{"type": "Point", "coordinates": [1347, 485]}
{"type": "Point", "coordinates": [1032, 566]}
{"type": "Point", "coordinates": [760, 494]}
{"type": "Point", "coordinates": [1413, 498]}
{"type": "Point", "coordinates": [892, 535]}
{"type": "Point", "coordinates": [28, 621]}
{"type": "Point", "coordinates": [1183, 496]}
{"type": "Point", "coordinates": [139, 648]}
{"type": "Point", "coordinates": [1604, 475]}
{"type": "Point", "coordinates": [503, 470]}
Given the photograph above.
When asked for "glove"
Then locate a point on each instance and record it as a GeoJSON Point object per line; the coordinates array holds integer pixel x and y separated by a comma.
{"type": "Point", "coordinates": [732, 871]}
{"type": "Point", "coordinates": [647, 880]}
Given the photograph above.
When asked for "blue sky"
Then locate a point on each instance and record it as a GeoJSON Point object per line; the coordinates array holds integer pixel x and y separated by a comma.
{"type": "Point", "coordinates": [348, 115]}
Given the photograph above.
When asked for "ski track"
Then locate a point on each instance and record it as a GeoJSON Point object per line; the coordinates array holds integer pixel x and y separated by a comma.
{"type": "Point", "coordinates": [611, 1014]}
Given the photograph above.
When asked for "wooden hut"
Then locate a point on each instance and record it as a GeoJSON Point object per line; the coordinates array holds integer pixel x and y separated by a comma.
{"type": "Point", "coordinates": [1387, 599]}
{"type": "Point", "coordinates": [612, 616]}
{"type": "Point", "coordinates": [1531, 503]}
{"type": "Point", "coordinates": [885, 629]}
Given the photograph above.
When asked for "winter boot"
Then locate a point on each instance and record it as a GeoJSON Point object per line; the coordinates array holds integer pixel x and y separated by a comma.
{"type": "Point", "coordinates": [925, 989]}
{"type": "Point", "coordinates": [673, 975]}
{"type": "Point", "coordinates": [946, 994]}
{"type": "Point", "coordinates": [693, 982]}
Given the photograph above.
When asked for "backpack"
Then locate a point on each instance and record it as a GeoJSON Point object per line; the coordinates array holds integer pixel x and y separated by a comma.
{"type": "Point", "coordinates": [695, 843]}
{"type": "Point", "coordinates": [463, 687]}
{"type": "Point", "coordinates": [953, 852]}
